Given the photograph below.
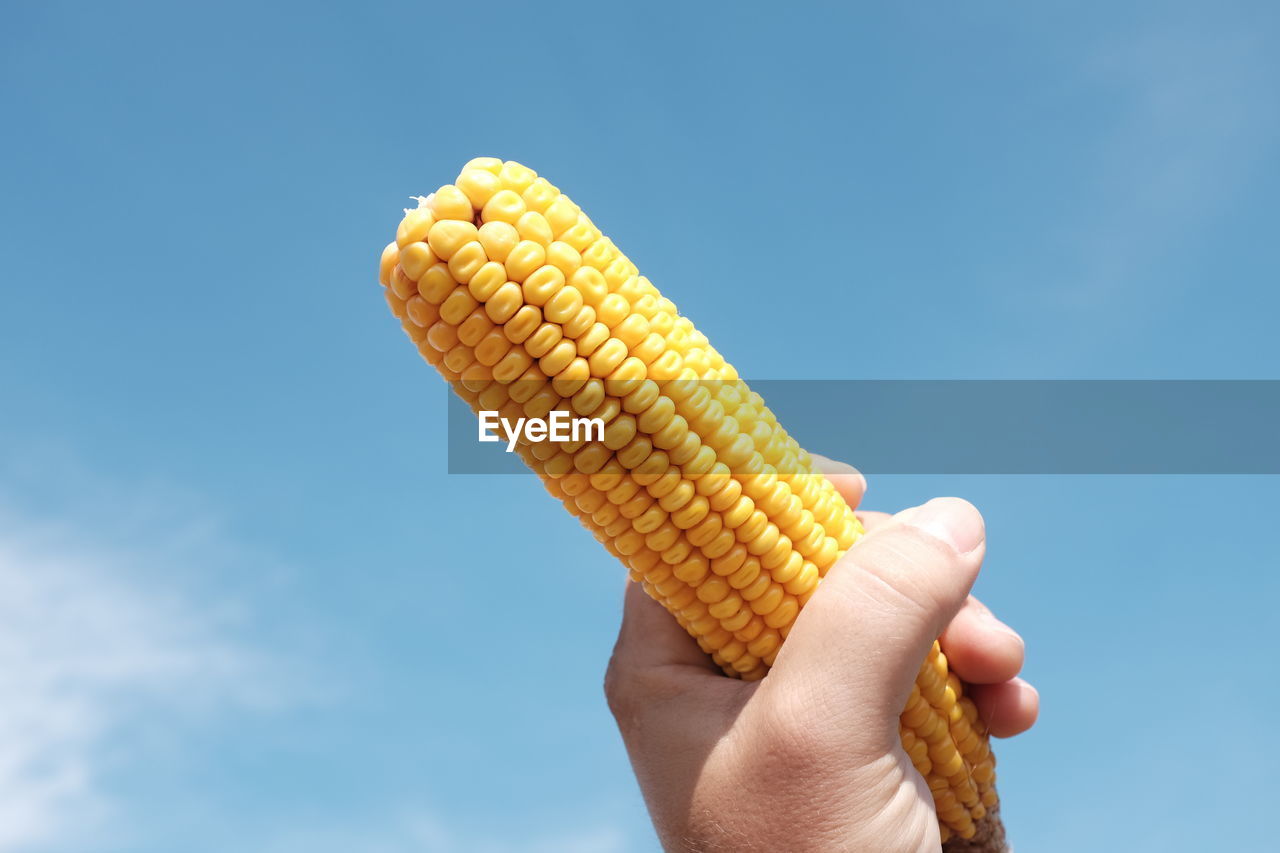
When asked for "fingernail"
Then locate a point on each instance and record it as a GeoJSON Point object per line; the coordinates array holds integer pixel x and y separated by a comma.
{"type": "Point", "coordinates": [1026, 685]}
{"type": "Point", "coordinates": [997, 625]}
{"type": "Point", "coordinates": [845, 469]}
{"type": "Point", "coordinates": [952, 520]}
{"type": "Point", "coordinates": [992, 621]}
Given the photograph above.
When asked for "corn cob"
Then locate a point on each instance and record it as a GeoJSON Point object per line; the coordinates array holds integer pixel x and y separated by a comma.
{"type": "Point", "coordinates": [520, 302]}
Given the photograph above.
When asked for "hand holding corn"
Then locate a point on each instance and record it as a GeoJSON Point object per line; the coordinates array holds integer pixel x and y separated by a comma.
{"type": "Point", "coordinates": [811, 758]}
{"type": "Point", "coordinates": [514, 295]}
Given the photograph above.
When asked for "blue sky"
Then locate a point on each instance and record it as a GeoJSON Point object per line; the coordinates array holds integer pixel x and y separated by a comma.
{"type": "Point", "coordinates": [243, 607]}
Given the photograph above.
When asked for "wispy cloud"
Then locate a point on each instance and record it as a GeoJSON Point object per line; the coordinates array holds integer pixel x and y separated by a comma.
{"type": "Point", "coordinates": [422, 831]}
{"type": "Point", "coordinates": [117, 626]}
{"type": "Point", "coordinates": [91, 646]}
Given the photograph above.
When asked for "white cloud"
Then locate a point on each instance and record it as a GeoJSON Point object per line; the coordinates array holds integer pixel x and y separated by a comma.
{"type": "Point", "coordinates": [115, 629]}
{"type": "Point", "coordinates": [90, 644]}
{"type": "Point", "coordinates": [420, 831]}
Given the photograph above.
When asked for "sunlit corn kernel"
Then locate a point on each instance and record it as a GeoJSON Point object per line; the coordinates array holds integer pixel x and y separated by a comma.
{"type": "Point", "coordinates": [414, 227]}
{"type": "Point", "coordinates": [504, 206]}
{"type": "Point", "coordinates": [562, 215]}
{"type": "Point", "coordinates": [589, 398]}
{"type": "Point", "coordinates": [542, 284]}
{"type": "Point", "coordinates": [489, 164]}
{"type": "Point", "coordinates": [510, 366]}
{"type": "Point", "coordinates": [478, 185]}
{"type": "Point", "coordinates": [632, 330]}
{"type": "Point", "coordinates": [580, 322]}
{"type": "Point", "coordinates": [449, 202]}
{"type": "Point", "coordinates": [600, 253]}
{"type": "Point", "coordinates": [607, 357]}
{"type": "Point", "coordinates": [572, 377]}
{"type": "Point", "coordinates": [401, 285]}
{"type": "Point", "coordinates": [612, 310]}
{"type": "Point", "coordinates": [533, 226]}
{"type": "Point", "coordinates": [558, 358]}
{"type": "Point", "coordinates": [523, 323]}
{"type": "Point", "coordinates": [539, 195]}
{"type": "Point", "coordinates": [498, 239]}
{"type": "Point", "coordinates": [449, 235]}
{"type": "Point", "coordinates": [504, 302]}
{"type": "Point", "coordinates": [416, 259]}
{"type": "Point", "coordinates": [456, 308]}
{"type": "Point", "coordinates": [542, 340]}
{"type": "Point", "coordinates": [526, 257]}
{"type": "Point", "coordinates": [565, 257]}
{"type": "Point", "coordinates": [459, 357]}
{"type": "Point", "coordinates": [591, 284]}
{"type": "Point", "coordinates": [474, 327]}
{"type": "Point", "coordinates": [390, 257]}
{"type": "Point", "coordinates": [516, 176]}
{"type": "Point", "coordinates": [467, 261]}
{"type": "Point", "coordinates": [486, 280]}
{"type": "Point", "coordinates": [421, 312]}
{"type": "Point", "coordinates": [563, 305]}
{"type": "Point", "coordinates": [436, 284]}
{"type": "Point", "coordinates": [592, 339]}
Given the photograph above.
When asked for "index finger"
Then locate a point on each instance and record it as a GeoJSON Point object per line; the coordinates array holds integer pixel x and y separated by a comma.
{"type": "Point", "coordinates": [650, 637]}
{"type": "Point", "coordinates": [848, 480]}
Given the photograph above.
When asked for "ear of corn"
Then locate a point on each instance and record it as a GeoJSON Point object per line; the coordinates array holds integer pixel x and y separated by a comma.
{"type": "Point", "coordinates": [517, 299]}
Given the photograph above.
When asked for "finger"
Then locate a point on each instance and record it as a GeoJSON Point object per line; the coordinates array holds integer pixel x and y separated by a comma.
{"type": "Point", "coordinates": [980, 648]}
{"type": "Point", "coordinates": [1009, 708]}
{"type": "Point", "coordinates": [871, 519]}
{"type": "Point", "coordinates": [848, 480]}
{"type": "Point", "coordinates": [872, 620]}
{"type": "Point", "coordinates": [651, 637]}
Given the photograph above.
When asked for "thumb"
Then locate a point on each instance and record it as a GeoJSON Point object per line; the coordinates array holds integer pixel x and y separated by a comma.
{"type": "Point", "coordinates": [859, 642]}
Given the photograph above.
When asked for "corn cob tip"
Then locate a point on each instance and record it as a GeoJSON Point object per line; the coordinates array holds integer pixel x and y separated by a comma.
{"type": "Point", "coordinates": [988, 837]}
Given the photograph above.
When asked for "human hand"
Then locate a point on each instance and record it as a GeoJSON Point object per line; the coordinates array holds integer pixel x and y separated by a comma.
{"type": "Point", "coordinates": [809, 758]}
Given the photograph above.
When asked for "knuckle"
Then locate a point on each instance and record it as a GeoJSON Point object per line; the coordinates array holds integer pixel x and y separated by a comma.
{"type": "Point", "coordinates": [628, 688]}
{"type": "Point", "coordinates": [634, 692]}
{"type": "Point", "coordinates": [794, 723]}
{"type": "Point", "coordinates": [616, 693]}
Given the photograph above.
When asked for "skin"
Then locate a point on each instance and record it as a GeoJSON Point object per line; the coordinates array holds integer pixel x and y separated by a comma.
{"type": "Point", "coordinates": [809, 758]}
